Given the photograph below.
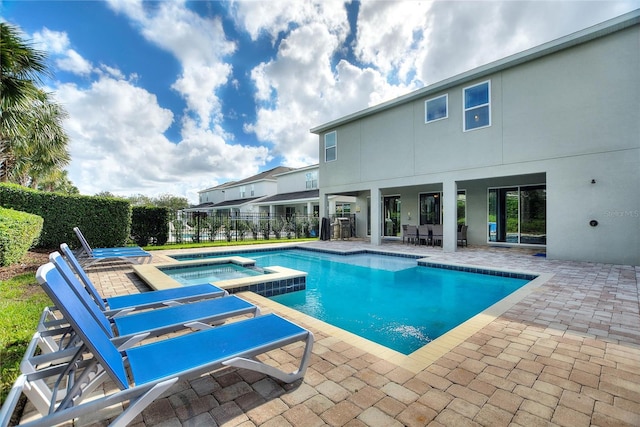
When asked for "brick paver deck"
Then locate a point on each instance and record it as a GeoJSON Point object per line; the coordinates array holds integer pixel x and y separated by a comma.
{"type": "Point", "coordinates": [567, 354]}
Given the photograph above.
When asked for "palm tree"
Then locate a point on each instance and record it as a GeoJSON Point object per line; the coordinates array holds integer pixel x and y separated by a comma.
{"type": "Point", "coordinates": [20, 67]}
{"type": "Point", "coordinates": [59, 182]}
{"type": "Point", "coordinates": [33, 143]}
{"type": "Point", "coordinates": [42, 149]}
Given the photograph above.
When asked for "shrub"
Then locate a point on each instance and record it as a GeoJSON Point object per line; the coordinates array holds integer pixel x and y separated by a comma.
{"type": "Point", "coordinates": [19, 231]}
{"type": "Point", "coordinates": [104, 221]}
{"type": "Point", "coordinates": [149, 224]}
{"type": "Point", "coordinates": [277, 227]}
{"type": "Point", "coordinates": [265, 228]}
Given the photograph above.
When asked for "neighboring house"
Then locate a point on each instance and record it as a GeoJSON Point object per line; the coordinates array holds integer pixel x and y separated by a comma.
{"type": "Point", "coordinates": [281, 191]}
{"type": "Point", "coordinates": [239, 197]}
{"type": "Point", "coordinates": [539, 149]}
{"type": "Point", "coordinates": [296, 193]}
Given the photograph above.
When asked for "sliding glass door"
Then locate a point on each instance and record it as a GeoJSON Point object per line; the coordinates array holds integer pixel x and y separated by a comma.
{"type": "Point", "coordinates": [430, 208]}
{"type": "Point", "coordinates": [533, 215]}
{"type": "Point", "coordinates": [391, 216]}
{"type": "Point", "coordinates": [517, 215]}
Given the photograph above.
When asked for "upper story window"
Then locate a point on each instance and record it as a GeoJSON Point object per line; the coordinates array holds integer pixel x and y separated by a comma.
{"type": "Point", "coordinates": [243, 191]}
{"type": "Point", "coordinates": [330, 146]}
{"type": "Point", "coordinates": [253, 190]}
{"type": "Point", "coordinates": [436, 108]}
{"type": "Point", "coordinates": [477, 106]}
{"type": "Point", "coordinates": [312, 180]}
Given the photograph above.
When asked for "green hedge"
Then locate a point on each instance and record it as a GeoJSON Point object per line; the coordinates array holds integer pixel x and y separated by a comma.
{"type": "Point", "coordinates": [149, 225]}
{"type": "Point", "coordinates": [18, 232]}
{"type": "Point", "coordinates": [104, 221]}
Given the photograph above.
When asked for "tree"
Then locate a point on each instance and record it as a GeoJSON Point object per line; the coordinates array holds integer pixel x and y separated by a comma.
{"type": "Point", "coordinates": [174, 203]}
{"type": "Point", "coordinates": [41, 150]}
{"type": "Point", "coordinates": [58, 182]}
{"type": "Point", "coordinates": [105, 194]}
{"type": "Point", "coordinates": [33, 143]}
{"type": "Point", "coordinates": [21, 67]}
{"type": "Point", "coordinates": [139, 200]}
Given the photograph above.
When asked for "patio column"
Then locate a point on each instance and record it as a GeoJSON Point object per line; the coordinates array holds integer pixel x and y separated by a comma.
{"type": "Point", "coordinates": [375, 217]}
{"type": "Point", "coordinates": [450, 220]}
{"type": "Point", "coordinates": [324, 205]}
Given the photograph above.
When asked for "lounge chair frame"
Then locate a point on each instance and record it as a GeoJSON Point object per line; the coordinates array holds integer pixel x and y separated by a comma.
{"type": "Point", "coordinates": [128, 254]}
{"type": "Point", "coordinates": [128, 330]}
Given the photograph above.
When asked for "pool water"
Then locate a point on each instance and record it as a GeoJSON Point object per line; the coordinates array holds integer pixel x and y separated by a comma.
{"type": "Point", "coordinates": [198, 274]}
{"type": "Point", "coordinates": [386, 299]}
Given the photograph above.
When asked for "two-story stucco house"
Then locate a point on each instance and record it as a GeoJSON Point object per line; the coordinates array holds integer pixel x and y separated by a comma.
{"type": "Point", "coordinates": [541, 148]}
{"type": "Point", "coordinates": [281, 191]}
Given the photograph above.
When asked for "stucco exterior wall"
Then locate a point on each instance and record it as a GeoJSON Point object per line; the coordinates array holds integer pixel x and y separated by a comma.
{"type": "Point", "coordinates": [294, 181]}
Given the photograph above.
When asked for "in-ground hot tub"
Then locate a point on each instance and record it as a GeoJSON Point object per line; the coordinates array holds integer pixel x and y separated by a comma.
{"type": "Point", "coordinates": [234, 274]}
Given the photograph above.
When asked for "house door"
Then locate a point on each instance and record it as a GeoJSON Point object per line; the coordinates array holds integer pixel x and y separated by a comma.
{"type": "Point", "coordinates": [391, 216]}
{"type": "Point", "coordinates": [518, 215]}
{"type": "Point", "coordinates": [430, 208]}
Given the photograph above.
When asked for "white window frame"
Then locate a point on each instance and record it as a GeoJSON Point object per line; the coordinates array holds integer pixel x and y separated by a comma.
{"type": "Point", "coordinates": [243, 192]}
{"type": "Point", "coordinates": [311, 180]}
{"type": "Point", "coordinates": [487, 104]}
{"type": "Point", "coordinates": [426, 112]}
{"type": "Point", "coordinates": [335, 146]}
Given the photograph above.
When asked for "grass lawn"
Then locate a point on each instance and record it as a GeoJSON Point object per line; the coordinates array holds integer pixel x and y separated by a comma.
{"type": "Point", "coordinates": [21, 303]}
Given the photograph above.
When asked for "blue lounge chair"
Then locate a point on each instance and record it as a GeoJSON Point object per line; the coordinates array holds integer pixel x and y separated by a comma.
{"type": "Point", "coordinates": [126, 253]}
{"type": "Point", "coordinates": [127, 330]}
{"type": "Point", "coordinates": [87, 248]}
{"type": "Point", "coordinates": [144, 300]}
{"type": "Point", "coordinates": [143, 373]}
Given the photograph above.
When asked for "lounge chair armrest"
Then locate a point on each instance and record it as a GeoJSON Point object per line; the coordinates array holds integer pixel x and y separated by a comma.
{"type": "Point", "coordinates": [128, 341]}
{"type": "Point", "coordinates": [112, 314]}
{"type": "Point", "coordinates": [199, 326]}
{"type": "Point", "coordinates": [255, 365]}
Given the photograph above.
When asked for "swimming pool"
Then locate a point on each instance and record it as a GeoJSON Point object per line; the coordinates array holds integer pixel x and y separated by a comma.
{"type": "Point", "coordinates": [387, 299]}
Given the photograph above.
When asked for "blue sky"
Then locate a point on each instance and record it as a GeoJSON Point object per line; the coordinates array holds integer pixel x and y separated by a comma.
{"type": "Point", "coordinates": [172, 97]}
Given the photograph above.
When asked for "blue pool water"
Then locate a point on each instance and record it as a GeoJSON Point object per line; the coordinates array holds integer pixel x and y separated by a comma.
{"type": "Point", "coordinates": [198, 274]}
{"type": "Point", "coordinates": [386, 299]}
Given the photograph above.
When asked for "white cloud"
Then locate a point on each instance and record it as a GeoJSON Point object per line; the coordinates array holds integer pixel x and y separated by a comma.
{"type": "Point", "coordinates": [276, 17]}
{"type": "Point", "coordinates": [74, 63]}
{"type": "Point", "coordinates": [51, 41]}
{"type": "Point", "coordinates": [57, 44]}
{"type": "Point", "coordinates": [389, 34]}
{"type": "Point", "coordinates": [111, 72]}
{"type": "Point", "coordinates": [302, 87]}
{"type": "Point", "coordinates": [199, 44]}
{"type": "Point", "coordinates": [118, 144]}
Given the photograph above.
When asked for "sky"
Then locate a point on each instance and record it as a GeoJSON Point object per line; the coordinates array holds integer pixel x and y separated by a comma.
{"type": "Point", "coordinates": [173, 97]}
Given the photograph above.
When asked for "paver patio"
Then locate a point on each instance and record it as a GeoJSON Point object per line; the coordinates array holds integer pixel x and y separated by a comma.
{"type": "Point", "coordinates": [567, 354]}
